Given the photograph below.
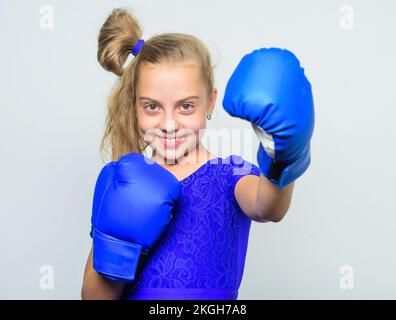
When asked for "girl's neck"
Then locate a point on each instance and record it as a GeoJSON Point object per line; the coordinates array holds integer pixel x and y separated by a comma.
{"type": "Point", "coordinates": [199, 155]}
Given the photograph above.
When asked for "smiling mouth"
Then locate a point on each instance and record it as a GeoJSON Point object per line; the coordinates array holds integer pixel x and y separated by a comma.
{"type": "Point", "coordinates": [171, 142]}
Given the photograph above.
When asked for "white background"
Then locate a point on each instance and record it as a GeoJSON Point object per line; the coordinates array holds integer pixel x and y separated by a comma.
{"type": "Point", "coordinates": [52, 111]}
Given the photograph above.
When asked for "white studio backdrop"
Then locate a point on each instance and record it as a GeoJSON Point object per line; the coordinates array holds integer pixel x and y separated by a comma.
{"type": "Point", "coordinates": [338, 240]}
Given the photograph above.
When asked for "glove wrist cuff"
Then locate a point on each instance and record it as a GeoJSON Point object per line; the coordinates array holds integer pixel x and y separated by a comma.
{"type": "Point", "coordinates": [283, 173]}
{"type": "Point", "coordinates": [115, 259]}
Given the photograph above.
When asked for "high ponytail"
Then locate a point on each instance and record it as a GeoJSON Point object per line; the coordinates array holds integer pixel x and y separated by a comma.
{"type": "Point", "coordinates": [118, 35]}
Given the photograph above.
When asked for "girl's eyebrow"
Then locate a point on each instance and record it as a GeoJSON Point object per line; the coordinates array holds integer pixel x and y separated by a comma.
{"type": "Point", "coordinates": [191, 97]}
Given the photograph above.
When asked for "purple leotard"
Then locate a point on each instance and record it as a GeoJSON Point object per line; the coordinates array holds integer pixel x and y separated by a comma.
{"type": "Point", "coordinates": [201, 254]}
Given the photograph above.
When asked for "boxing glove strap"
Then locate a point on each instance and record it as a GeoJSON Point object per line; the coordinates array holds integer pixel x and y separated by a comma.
{"type": "Point", "coordinates": [276, 169]}
{"type": "Point", "coordinates": [115, 259]}
{"type": "Point", "coordinates": [294, 170]}
{"type": "Point", "coordinates": [282, 173]}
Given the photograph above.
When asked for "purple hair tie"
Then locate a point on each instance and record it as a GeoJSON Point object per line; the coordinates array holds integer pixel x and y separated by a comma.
{"type": "Point", "coordinates": [138, 46]}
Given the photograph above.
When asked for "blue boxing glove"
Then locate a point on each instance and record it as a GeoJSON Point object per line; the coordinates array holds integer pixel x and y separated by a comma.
{"type": "Point", "coordinates": [132, 204]}
{"type": "Point", "coordinates": [269, 89]}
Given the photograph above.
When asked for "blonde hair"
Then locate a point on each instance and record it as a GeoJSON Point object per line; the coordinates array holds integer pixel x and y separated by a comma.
{"type": "Point", "coordinates": [118, 35]}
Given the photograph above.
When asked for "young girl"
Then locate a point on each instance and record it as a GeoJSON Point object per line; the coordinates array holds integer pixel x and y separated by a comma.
{"type": "Point", "coordinates": [163, 99]}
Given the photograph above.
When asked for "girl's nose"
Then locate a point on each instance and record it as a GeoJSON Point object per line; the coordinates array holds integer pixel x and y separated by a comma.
{"type": "Point", "coordinates": [169, 123]}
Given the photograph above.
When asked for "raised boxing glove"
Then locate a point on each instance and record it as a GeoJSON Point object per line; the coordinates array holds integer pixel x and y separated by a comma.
{"type": "Point", "coordinates": [269, 89]}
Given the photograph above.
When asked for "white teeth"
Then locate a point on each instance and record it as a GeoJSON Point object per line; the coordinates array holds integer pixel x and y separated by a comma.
{"type": "Point", "coordinates": [171, 140]}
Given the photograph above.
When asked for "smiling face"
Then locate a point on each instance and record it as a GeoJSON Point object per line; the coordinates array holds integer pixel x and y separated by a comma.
{"type": "Point", "coordinates": [172, 104]}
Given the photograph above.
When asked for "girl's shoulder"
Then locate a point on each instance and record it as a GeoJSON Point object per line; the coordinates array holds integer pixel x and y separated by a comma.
{"type": "Point", "coordinates": [238, 161]}
{"type": "Point", "coordinates": [235, 167]}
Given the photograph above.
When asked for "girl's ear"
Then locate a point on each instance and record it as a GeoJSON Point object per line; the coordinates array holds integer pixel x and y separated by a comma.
{"type": "Point", "coordinates": [212, 99]}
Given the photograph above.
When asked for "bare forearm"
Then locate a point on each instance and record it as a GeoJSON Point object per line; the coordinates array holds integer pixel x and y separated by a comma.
{"type": "Point", "coordinates": [96, 287]}
{"type": "Point", "coordinates": [271, 202]}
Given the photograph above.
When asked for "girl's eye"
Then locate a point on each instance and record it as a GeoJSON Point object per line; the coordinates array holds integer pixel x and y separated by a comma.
{"type": "Point", "coordinates": [150, 106]}
{"type": "Point", "coordinates": [187, 106]}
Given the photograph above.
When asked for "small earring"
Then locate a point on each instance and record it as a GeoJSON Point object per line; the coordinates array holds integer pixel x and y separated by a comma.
{"type": "Point", "coordinates": [209, 116]}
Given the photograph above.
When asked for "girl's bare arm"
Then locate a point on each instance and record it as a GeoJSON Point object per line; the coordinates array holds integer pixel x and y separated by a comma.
{"type": "Point", "coordinates": [261, 200]}
{"type": "Point", "coordinates": [96, 287]}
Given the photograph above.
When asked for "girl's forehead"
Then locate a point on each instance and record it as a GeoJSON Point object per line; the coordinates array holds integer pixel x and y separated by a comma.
{"type": "Point", "coordinates": [165, 78]}
{"type": "Point", "coordinates": [190, 65]}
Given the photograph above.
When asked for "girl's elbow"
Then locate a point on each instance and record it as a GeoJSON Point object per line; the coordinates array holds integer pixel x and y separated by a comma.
{"type": "Point", "coordinates": [278, 216]}
{"type": "Point", "coordinates": [275, 216]}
